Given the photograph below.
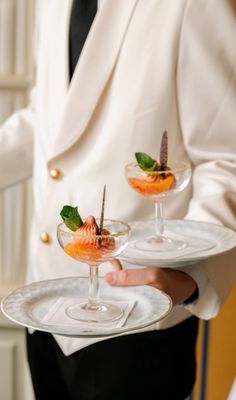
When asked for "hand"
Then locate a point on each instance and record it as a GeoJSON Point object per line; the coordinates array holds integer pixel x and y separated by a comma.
{"type": "Point", "coordinates": [177, 284]}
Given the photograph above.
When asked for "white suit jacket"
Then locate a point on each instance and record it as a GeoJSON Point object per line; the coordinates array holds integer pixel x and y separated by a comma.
{"type": "Point", "coordinates": [147, 66]}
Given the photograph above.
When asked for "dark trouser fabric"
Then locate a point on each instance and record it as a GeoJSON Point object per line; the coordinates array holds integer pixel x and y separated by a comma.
{"type": "Point", "coordinates": [156, 365]}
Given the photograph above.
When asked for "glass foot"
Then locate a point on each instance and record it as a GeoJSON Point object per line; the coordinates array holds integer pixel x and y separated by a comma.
{"type": "Point", "coordinates": [160, 244]}
{"type": "Point", "coordinates": [102, 312]}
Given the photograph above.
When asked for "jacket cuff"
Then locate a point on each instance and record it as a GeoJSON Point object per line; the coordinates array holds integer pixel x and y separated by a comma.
{"type": "Point", "coordinates": [191, 299]}
{"type": "Point", "coordinates": [201, 279]}
{"type": "Point", "coordinates": [207, 305]}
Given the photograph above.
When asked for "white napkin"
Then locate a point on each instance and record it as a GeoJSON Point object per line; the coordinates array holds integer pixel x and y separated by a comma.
{"type": "Point", "coordinates": [57, 315]}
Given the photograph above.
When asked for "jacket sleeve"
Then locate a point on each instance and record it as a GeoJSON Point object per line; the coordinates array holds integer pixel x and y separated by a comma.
{"type": "Point", "coordinates": [16, 148]}
{"type": "Point", "coordinates": [206, 87]}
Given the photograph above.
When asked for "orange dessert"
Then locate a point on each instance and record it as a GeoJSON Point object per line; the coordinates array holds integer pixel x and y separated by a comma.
{"type": "Point", "coordinates": [153, 178]}
{"type": "Point", "coordinates": [88, 245]}
{"type": "Point", "coordinates": [153, 184]}
{"type": "Point", "coordinates": [89, 242]}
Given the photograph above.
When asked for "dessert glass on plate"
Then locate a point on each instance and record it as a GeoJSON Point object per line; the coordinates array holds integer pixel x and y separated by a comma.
{"type": "Point", "coordinates": [157, 182]}
{"type": "Point", "coordinates": [87, 246]}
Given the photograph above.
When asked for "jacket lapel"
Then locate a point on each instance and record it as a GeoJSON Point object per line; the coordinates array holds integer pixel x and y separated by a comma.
{"type": "Point", "coordinates": [92, 71]}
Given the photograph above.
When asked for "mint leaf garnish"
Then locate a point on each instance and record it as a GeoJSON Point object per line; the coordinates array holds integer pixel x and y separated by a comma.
{"type": "Point", "coordinates": [71, 217]}
{"type": "Point", "coordinates": [145, 162]}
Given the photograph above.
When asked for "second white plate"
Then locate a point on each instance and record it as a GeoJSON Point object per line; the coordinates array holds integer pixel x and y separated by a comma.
{"type": "Point", "coordinates": [204, 240]}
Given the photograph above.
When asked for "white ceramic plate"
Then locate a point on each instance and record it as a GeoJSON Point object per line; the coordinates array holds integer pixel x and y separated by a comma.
{"type": "Point", "coordinates": [29, 304]}
{"type": "Point", "coordinates": [204, 239]}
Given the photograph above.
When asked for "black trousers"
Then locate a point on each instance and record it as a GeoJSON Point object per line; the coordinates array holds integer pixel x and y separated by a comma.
{"type": "Point", "coordinates": [156, 365]}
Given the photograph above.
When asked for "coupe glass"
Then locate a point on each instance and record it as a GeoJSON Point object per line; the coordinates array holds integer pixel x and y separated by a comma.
{"type": "Point", "coordinates": [94, 250]}
{"type": "Point", "coordinates": [157, 186]}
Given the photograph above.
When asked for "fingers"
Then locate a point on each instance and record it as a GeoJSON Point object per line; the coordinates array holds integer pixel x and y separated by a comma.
{"type": "Point", "coordinates": [132, 277]}
{"type": "Point", "coordinates": [116, 264]}
{"type": "Point", "coordinates": [177, 284]}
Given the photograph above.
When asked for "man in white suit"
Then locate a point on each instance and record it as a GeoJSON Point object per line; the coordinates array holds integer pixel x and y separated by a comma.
{"type": "Point", "coordinates": [146, 66]}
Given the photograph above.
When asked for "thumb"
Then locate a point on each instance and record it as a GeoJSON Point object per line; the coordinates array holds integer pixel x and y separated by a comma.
{"type": "Point", "coordinates": [116, 264]}
{"type": "Point", "coordinates": [128, 277]}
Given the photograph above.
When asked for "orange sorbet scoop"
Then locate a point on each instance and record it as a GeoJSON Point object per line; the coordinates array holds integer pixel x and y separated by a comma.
{"type": "Point", "coordinates": [152, 184]}
{"type": "Point", "coordinates": [88, 246]}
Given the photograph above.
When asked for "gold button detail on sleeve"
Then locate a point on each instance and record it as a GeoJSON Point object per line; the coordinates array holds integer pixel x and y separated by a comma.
{"type": "Point", "coordinates": [45, 237]}
{"type": "Point", "coordinates": [55, 173]}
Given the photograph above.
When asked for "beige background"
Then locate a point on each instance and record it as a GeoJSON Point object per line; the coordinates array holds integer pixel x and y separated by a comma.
{"type": "Point", "coordinates": [221, 354]}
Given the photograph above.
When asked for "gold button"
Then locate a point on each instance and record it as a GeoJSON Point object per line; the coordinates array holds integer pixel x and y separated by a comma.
{"type": "Point", "coordinates": [45, 237]}
{"type": "Point", "coordinates": [55, 173]}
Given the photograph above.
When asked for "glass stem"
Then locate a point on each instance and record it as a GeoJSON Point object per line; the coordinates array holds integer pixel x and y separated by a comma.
{"type": "Point", "coordinates": [159, 221]}
{"type": "Point", "coordinates": [93, 298]}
